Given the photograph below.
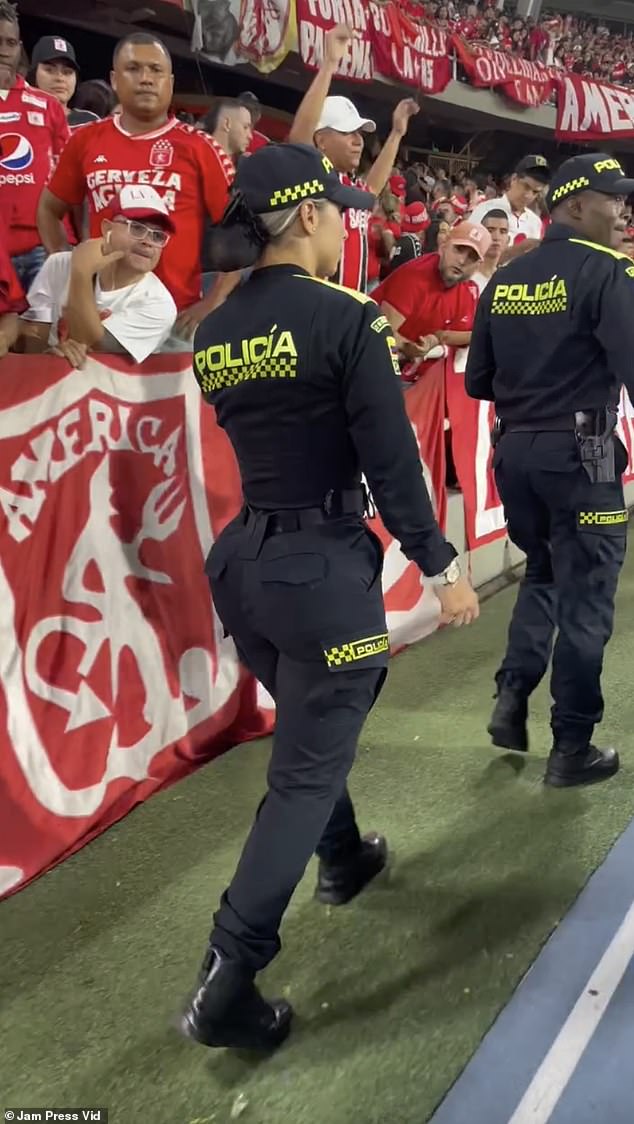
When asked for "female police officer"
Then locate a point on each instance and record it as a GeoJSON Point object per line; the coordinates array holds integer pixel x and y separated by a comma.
{"type": "Point", "coordinates": [303, 377]}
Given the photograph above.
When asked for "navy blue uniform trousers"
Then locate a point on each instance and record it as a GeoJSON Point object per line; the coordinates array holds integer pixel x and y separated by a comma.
{"type": "Point", "coordinates": [305, 610]}
{"type": "Point", "coordinates": [573, 532]}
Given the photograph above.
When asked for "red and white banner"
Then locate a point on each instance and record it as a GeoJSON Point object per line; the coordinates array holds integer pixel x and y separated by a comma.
{"type": "Point", "coordinates": [386, 43]}
{"type": "Point", "coordinates": [115, 677]}
{"type": "Point", "coordinates": [528, 83]}
{"type": "Point", "coordinates": [593, 111]}
{"type": "Point", "coordinates": [625, 430]}
{"type": "Point", "coordinates": [471, 423]}
{"type": "Point", "coordinates": [258, 32]}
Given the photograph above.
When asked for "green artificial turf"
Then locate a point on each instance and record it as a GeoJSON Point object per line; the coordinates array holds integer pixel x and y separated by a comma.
{"type": "Point", "coordinates": [394, 992]}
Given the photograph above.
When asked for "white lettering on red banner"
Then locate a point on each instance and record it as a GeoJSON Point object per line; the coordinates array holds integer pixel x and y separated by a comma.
{"type": "Point", "coordinates": [527, 83]}
{"type": "Point", "coordinates": [115, 673]}
{"type": "Point", "coordinates": [384, 43]}
{"type": "Point", "coordinates": [588, 110]}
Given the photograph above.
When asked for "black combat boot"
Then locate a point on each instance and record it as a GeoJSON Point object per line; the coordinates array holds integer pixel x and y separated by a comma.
{"type": "Point", "coordinates": [228, 1010]}
{"type": "Point", "coordinates": [567, 767]}
{"type": "Point", "coordinates": [338, 883]}
{"type": "Point", "coordinates": [508, 721]}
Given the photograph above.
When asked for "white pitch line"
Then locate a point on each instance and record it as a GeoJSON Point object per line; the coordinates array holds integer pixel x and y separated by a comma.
{"type": "Point", "coordinates": [553, 1075]}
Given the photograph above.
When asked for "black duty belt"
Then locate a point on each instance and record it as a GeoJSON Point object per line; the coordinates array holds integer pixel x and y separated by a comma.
{"type": "Point", "coordinates": [563, 423]}
{"type": "Point", "coordinates": [582, 421]}
{"type": "Point", "coordinates": [353, 501]}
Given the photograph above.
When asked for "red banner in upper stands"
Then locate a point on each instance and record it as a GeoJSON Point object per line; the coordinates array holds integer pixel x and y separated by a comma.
{"type": "Point", "coordinates": [386, 43]}
{"type": "Point", "coordinates": [115, 675]}
{"type": "Point", "coordinates": [593, 111]}
{"type": "Point", "coordinates": [528, 83]}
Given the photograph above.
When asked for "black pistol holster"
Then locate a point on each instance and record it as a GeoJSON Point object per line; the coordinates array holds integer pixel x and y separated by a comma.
{"type": "Point", "coordinates": [594, 430]}
{"type": "Point", "coordinates": [496, 432]}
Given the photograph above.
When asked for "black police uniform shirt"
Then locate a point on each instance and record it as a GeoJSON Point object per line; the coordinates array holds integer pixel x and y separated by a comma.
{"type": "Point", "coordinates": [304, 378]}
{"type": "Point", "coordinates": [554, 331]}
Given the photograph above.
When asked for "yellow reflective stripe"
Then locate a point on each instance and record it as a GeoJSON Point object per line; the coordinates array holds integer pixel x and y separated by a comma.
{"type": "Point", "coordinates": [602, 518]}
{"type": "Point", "coordinates": [354, 650]}
{"type": "Point", "coordinates": [361, 297]}
{"type": "Point", "coordinates": [596, 246]}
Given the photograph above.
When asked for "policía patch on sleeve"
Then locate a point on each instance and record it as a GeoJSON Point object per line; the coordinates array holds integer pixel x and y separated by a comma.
{"type": "Point", "coordinates": [367, 651]}
{"type": "Point", "coordinates": [603, 521]}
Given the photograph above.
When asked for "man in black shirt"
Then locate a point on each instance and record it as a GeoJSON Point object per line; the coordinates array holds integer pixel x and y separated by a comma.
{"type": "Point", "coordinates": [303, 375]}
{"type": "Point", "coordinates": [552, 344]}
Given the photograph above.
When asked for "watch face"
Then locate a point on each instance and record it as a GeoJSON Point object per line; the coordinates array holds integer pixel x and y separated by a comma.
{"type": "Point", "coordinates": [453, 572]}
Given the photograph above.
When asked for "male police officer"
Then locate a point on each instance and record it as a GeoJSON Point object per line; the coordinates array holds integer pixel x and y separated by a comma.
{"type": "Point", "coordinates": [303, 375]}
{"type": "Point", "coordinates": [553, 342]}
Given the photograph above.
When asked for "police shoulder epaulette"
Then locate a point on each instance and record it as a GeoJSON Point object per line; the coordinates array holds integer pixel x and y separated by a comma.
{"type": "Point", "coordinates": [598, 246]}
{"type": "Point", "coordinates": [362, 298]}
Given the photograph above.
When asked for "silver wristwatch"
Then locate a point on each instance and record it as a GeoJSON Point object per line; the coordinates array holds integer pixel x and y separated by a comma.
{"type": "Point", "coordinates": [449, 576]}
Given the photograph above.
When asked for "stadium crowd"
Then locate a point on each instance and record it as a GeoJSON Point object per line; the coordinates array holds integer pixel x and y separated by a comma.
{"type": "Point", "coordinates": [108, 202]}
{"type": "Point", "coordinates": [569, 42]}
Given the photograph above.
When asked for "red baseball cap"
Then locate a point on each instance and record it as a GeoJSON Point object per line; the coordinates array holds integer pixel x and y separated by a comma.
{"type": "Point", "coordinates": [471, 234]}
{"type": "Point", "coordinates": [142, 202]}
{"type": "Point", "coordinates": [415, 218]}
{"type": "Point", "coordinates": [398, 186]}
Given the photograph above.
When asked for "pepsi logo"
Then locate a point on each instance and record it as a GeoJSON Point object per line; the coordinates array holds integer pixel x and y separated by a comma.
{"type": "Point", "coordinates": [16, 152]}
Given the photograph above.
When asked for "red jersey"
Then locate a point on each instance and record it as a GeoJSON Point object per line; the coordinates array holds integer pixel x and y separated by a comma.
{"type": "Point", "coordinates": [189, 170]}
{"type": "Point", "coordinates": [353, 265]}
{"type": "Point", "coordinates": [418, 292]}
{"type": "Point", "coordinates": [33, 133]}
{"type": "Point", "coordinates": [258, 140]}
{"type": "Point", "coordinates": [11, 292]}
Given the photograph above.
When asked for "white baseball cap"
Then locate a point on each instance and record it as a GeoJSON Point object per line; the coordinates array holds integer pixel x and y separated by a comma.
{"type": "Point", "coordinates": [343, 116]}
{"type": "Point", "coordinates": [140, 201]}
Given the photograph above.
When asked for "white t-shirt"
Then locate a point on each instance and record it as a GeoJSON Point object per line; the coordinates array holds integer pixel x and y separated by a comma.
{"type": "Point", "coordinates": [139, 317]}
{"type": "Point", "coordinates": [528, 224]}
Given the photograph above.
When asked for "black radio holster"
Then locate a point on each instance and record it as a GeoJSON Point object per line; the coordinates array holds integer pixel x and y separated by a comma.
{"type": "Point", "coordinates": [595, 438]}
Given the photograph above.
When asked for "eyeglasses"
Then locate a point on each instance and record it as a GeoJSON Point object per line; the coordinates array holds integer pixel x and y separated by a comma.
{"type": "Point", "coordinates": [140, 231]}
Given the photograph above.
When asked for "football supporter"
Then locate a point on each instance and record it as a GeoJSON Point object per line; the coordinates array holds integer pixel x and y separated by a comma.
{"type": "Point", "coordinates": [335, 126]}
{"type": "Point", "coordinates": [34, 132]}
{"type": "Point", "coordinates": [407, 248]}
{"type": "Point", "coordinates": [528, 182]}
{"type": "Point", "coordinates": [54, 69]}
{"type": "Point", "coordinates": [258, 140]}
{"type": "Point", "coordinates": [431, 302]}
{"type": "Point", "coordinates": [229, 124]}
{"type": "Point", "coordinates": [12, 301]}
{"type": "Point", "coordinates": [104, 295]}
{"type": "Point", "coordinates": [496, 222]}
{"type": "Point", "coordinates": [145, 145]}
{"type": "Point", "coordinates": [383, 233]}
{"type": "Point", "coordinates": [415, 219]}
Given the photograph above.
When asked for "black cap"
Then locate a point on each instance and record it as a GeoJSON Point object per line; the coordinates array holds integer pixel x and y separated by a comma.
{"type": "Point", "coordinates": [50, 48]}
{"type": "Point", "coordinates": [280, 175]}
{"type": "Point", "coordinates": [594, 171]}
{"type": "Point", "coordinates": [536, 166]}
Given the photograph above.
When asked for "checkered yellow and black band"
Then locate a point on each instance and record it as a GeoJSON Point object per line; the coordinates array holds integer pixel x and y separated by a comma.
{"type": "Point", "coordinates": [354, 650]}
{"type": "Point", "coordinates": [566, 188]}
{"type": "Point", "coordinates": [602, 518]}
{"type": "Point", "coordinates": [282, 197]}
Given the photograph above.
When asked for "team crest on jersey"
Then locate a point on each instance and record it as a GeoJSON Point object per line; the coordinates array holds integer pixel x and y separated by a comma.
{"type": "Point", "coordinates": [162, 154]}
